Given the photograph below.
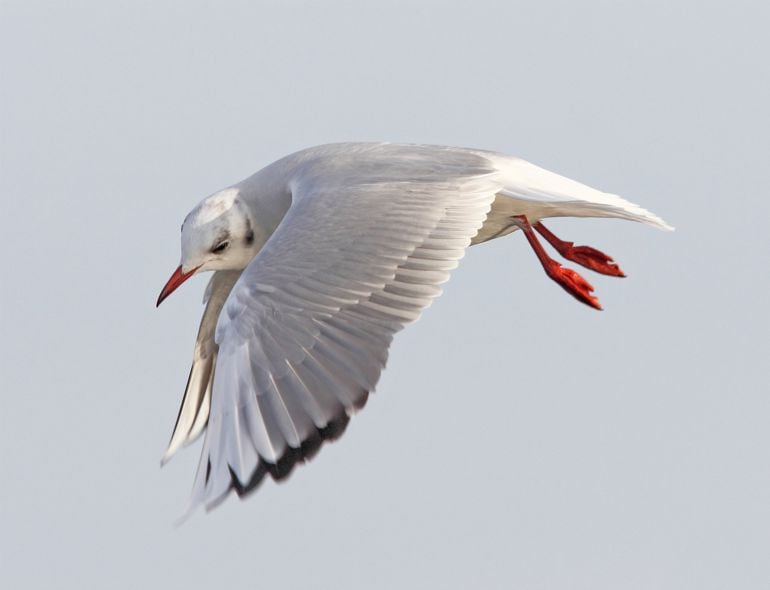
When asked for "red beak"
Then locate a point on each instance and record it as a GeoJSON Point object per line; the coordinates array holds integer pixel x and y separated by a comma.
{"type": "Point", "coordinates": [176, 279]}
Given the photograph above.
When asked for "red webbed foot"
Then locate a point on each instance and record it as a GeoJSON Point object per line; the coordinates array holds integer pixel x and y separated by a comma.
{"type": "Point", "coordinates": [573, 283]}
{"type": "Point", "coordinates": [585, 256]}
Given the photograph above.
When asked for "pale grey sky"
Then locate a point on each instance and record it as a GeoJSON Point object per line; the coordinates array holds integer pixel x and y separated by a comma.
{"type": "Point", "coordinates": [518, 439]}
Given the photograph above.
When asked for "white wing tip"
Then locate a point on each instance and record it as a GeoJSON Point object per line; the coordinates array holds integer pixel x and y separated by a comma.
{"type": "Point", "coordinates": [166, 457]}
{"type": "Point", "coordinates": [169, 453]}
{"type": "Point", "coordinates": [632, 211]}
{"type": "Point", "coordinates": [189, 511]}
{"type": "Point", "coordinates": [656, 221]}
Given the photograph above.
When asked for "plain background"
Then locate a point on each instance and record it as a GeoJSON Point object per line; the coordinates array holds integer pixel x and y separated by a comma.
{"type": "Point", "coordinates": [518, 439]}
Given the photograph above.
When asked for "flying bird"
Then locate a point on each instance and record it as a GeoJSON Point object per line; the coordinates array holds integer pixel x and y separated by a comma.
{"type": "Point", "coordinates": [319, 259]}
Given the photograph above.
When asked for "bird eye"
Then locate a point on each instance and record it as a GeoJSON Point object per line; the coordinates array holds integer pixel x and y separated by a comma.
{"type": "Point", "coordinates": [221, 247]}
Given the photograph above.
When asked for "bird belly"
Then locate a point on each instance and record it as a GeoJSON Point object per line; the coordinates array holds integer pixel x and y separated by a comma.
{"type": "Point", "coordinates": [500, 222]}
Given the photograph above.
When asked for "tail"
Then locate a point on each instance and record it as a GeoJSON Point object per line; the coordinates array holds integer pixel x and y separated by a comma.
{"type": "Point", "coordinates": [550, 195]}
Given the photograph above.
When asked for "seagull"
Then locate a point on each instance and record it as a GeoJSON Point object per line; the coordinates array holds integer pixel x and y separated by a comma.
{"type": "Point", "coordinates": [318, 260]}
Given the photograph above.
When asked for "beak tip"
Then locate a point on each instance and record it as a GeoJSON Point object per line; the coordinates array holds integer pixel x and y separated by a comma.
{"type": "Point", "coordinates": [176, 279]}
{"type": "Point", "coordinates": [162, 297]}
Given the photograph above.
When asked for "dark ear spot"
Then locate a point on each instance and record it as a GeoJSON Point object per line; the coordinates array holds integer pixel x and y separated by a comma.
{"type": "Point", "coordinates": [249, 233]}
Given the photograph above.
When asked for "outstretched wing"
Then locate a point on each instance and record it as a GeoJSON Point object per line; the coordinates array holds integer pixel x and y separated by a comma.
{"type": "Point", "coordinates": [304, 334]}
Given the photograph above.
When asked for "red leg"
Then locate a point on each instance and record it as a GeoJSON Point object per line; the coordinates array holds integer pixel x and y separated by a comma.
{"type": "Point", "coordinates": [570, 281]}
{"type": "Point", "coordinates": [584, 255]}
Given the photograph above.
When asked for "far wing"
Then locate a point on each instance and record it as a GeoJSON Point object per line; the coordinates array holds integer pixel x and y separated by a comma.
{"type": "Point", "coordinates": [194, 411]}
{"type": "Point", "coordinates": [305, 331]}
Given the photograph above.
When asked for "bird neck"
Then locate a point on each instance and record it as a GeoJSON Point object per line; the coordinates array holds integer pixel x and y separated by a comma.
{"type": "Point", "coordinates": [267, 197]}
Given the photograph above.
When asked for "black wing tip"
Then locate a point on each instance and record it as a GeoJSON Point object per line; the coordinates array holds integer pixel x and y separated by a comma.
{"type": "Point", "coordinates": [284, 467]}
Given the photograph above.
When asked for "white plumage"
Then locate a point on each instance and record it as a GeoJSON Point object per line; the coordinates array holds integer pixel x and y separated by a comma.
{"type": "Point", "coordinates": [323, 256]}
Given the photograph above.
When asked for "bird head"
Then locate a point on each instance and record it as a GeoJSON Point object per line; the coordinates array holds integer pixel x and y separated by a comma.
{"type": "Point", "coordinates": [218, 234]}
